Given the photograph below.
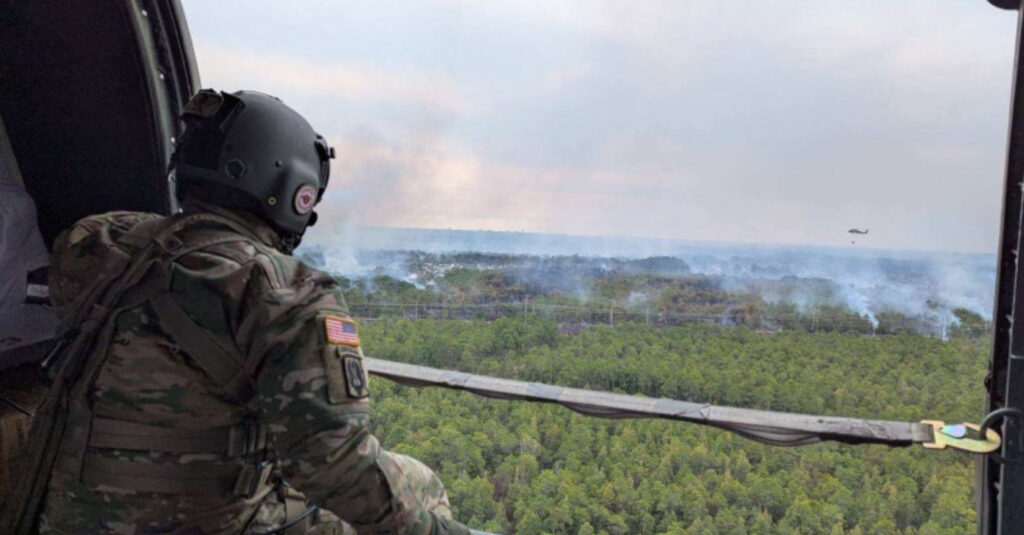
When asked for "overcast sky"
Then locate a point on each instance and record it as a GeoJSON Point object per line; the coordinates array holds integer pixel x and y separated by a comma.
{"type": "Point", "coordinates": [768, 121]}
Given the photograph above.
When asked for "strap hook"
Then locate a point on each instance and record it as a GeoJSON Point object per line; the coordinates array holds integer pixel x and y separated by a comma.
{"type": "Point", "coordinates": [995, 415]}
{"type": "Point", "coordinates": [955, 436]}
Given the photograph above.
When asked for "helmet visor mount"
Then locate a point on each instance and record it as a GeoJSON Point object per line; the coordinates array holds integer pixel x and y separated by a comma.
{"type": "Point", "coordinates": [326, 153]}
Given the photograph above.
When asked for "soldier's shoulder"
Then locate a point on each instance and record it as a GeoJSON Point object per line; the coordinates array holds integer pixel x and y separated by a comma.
{"type": "Point", "coordinates": [277, 278]}
{"type": "Point", "coordinates": [109, 225]}
{"type": "Point", "coordinates": [87, 251]}
{"type": "Point", "coordinates": [292, 271]}
{"type": "Point", "coordinates": [302, 286]}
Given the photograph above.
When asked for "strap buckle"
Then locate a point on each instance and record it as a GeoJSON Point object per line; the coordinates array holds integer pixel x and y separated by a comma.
{"type": "Point", "coordinates": [251, 482]}
{"type": "Point", "coordinates": [956, 436]}
{"type": "Point", "coordinates": [55, 352]}
{"type": "Point", "coordinates": [246, 438]}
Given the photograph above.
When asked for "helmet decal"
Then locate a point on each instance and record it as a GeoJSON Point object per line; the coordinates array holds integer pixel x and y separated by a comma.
{"type": "Point", "coordinates": [305, 199]}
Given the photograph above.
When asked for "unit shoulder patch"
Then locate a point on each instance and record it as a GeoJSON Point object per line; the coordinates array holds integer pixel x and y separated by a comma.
{"type": "Point", "coordinates": [355, 377]}
{"type": "Point", "coordinates": [345, 373]}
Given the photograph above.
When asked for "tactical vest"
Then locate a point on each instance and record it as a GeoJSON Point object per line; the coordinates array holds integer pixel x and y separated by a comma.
{"type": "Point", "coordinates": [65, 428]}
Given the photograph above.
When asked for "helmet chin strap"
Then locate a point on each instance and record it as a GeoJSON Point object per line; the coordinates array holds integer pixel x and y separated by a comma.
{"type": "Point", "coordinates": [289, 242]}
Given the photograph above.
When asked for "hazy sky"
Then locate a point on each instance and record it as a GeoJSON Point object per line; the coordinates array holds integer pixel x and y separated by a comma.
{"type": "Point", "coordinates": [768, 121]}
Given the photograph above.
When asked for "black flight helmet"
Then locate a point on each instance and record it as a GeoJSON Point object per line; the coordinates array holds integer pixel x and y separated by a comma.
{"type": "Point", "coordinates": [248, 150]}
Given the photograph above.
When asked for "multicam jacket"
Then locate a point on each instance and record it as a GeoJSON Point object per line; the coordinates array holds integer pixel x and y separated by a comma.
{"type": "Point", "coordinates": [230, 383]}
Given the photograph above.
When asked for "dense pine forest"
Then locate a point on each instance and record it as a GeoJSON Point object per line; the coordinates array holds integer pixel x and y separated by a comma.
{"type": "Point", "coordinates": [529, 469]}
{"type": "Point", "coordinates": [655, 327]}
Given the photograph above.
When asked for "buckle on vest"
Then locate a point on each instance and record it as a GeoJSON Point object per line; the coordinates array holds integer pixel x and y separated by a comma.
{"type": "Point", "coordinates": [252, 482]}
{"type": "Point", "coordinates": [246, 438]}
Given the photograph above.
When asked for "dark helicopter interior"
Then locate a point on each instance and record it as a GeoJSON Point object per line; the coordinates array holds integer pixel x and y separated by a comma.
{"type": "Point", "coordinates": [87, 118]}
{"type": "Point", "coordinates": [87, 98]}
{"type": "Point", "coordinates": [86, 94]}
{"type": "Point", "coordinates": [88, 101]}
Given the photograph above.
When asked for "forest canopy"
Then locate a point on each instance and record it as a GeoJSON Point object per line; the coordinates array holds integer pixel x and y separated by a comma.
{"type": "Point", "coordinates": [530, 469]}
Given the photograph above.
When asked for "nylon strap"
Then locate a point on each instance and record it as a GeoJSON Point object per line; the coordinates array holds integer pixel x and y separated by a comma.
{"type": "Point", "coordinates": [243, 481]}
{"type": "Point", "coordinates": [232, 441]}
{"type": "Point", "coordinates": [224, 365]}
{"type": "Point", "coordinates": [149, 477]}
{"type": "Point", "coordinates": [778, 428]}
{"type": "Point", "coordinates": [294, 507]}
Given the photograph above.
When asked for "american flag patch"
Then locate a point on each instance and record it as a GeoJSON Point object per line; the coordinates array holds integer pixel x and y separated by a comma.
{"type": "Point", "coordinates": [341, 331]}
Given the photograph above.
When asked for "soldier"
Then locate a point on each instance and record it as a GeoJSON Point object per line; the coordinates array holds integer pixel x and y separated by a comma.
{"type": "Point", "coordinates": [219, 388]}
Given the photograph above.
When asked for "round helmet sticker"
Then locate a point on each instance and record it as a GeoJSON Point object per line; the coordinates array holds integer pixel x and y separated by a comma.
{"type": "Point", "coordinates": [305, 199]}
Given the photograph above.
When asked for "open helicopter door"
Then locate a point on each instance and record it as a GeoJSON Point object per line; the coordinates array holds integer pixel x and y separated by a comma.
{"type": "Point", "coordinates": [90, 92]}
{"type": "Point", "coordinates": [1001, 486]}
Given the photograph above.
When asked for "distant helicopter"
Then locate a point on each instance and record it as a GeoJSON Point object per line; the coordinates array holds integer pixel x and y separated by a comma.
{"type": "Point", "coordinates": [857, 231]}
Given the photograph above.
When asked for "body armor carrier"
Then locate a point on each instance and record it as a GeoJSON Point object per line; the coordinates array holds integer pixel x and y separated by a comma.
{"type": "Point", "coordinates": [136, 272]}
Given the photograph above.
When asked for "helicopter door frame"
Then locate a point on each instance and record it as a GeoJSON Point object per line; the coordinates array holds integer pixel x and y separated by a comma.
{"type": "Point", "coordinates": [1001, 485]}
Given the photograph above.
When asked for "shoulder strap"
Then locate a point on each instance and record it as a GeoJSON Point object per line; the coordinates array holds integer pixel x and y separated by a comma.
{"type": "Point", "coordinates": [225, 365]}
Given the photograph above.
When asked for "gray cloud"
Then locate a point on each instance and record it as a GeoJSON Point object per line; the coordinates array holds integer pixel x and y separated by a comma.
{"type": "Point", "coordinates": [769, 122]}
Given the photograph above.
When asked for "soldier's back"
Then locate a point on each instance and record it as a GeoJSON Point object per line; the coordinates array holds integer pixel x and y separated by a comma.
{"type": "Point", "coordinates": [170, 443]}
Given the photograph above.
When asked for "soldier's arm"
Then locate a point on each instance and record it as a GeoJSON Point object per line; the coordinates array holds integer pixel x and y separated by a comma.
{"type": "Point", "coordinates": [317, 411]}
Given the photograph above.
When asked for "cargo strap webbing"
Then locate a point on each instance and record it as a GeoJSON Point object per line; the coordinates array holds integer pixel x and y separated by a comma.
{"type": "Point", "coordinates": [296, 512]}
{"type": "Point", "coordinates": [778, 428]}
{"type": "Point", "coordinates": [222, 479]}
{"type": "Point", "coordinates": [149, 477]}
{"type": "Point", "coordinates": [232, 441]}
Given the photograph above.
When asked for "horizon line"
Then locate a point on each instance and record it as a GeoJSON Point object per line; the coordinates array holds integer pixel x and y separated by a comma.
{"type": "Point", "coordinates": [684, 241]}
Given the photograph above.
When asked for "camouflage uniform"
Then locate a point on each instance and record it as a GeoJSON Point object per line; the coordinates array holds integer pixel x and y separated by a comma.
{"type": "Point", "coordinates": [294, 422]}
